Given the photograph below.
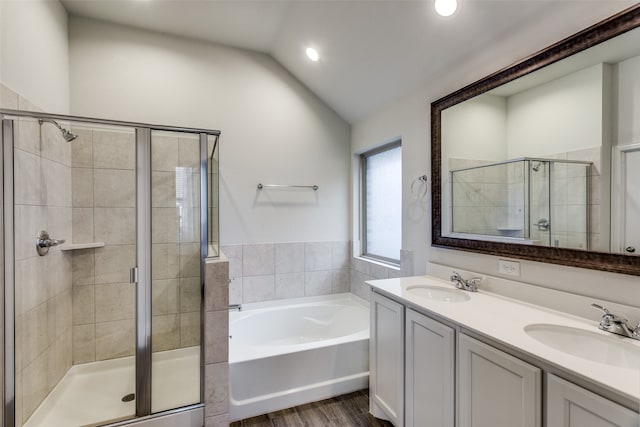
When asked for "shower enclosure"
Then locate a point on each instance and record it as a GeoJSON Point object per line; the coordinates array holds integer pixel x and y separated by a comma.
{"type": "Point", "coordinates": [106, 226]}
{"type": "Point", "coordinates": [533, 201]}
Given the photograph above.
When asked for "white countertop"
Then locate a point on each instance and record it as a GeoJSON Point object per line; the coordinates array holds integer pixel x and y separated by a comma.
{"type": "Point", "coordinates": [503, 319]}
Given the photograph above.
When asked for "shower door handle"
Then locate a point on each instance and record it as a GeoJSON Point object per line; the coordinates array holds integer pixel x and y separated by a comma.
{"type": "Point", "coordinates": [44, 242]}
{"type": "Point", "coordinates": [133, 275]}
{"type": "Point", "coordinates": [543, 224]}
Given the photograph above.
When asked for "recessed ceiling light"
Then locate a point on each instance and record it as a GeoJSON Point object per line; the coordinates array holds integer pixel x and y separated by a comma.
{"type": "Point", "coordinates": [446, 7]}
{"type": "Point", "coordinates": [312, 54]}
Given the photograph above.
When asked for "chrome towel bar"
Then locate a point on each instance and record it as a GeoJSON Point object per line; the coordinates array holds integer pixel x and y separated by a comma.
{"type": "Point", "coordinates": [261, 186]}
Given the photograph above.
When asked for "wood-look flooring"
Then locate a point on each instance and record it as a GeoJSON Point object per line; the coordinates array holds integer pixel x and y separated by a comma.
{"type": "Point", "coordinates": [349, 410]}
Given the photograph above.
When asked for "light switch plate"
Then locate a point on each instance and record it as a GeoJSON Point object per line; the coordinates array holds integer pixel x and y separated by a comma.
{"type": "Point", "coordinates": [510, 268]}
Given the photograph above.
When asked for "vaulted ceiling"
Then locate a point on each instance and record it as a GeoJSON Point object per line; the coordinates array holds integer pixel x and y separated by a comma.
{"type": "Point", "coordinates": [371, 51]}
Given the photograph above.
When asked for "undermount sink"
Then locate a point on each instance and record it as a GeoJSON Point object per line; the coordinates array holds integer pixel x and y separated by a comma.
{"type": "Point", "coordinates": [608, 349]}
{"type": "Point", "coordinates": [437, 293]}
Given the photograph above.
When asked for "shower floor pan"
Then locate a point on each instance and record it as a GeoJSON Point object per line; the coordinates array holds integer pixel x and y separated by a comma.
{"type": "Point", "coordinates": [93, 392]}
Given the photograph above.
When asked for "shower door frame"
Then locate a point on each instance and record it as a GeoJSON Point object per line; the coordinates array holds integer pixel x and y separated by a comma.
{"type": "Point", "coordinates": [142, 276]}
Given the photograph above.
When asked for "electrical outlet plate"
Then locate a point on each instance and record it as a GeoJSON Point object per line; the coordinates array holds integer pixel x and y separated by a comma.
{"type": "Point", "coordinates": [509, 268]}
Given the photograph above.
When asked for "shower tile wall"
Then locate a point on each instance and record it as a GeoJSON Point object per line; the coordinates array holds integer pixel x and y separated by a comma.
{"type": "Point", "coordinates": [103, 185]}
{"type": "Point", "coordinates": [216, 351]}
{"type": "Point", "coordinates": [361, 271]}
{"type": "Point", "coordinates": [568, 203]}
{"type": "Point", "coordinates": [104, 211]}
{"type": "Point", "coordinates": [482, 199]}
{"type": "Point", "coordinates": [263, 272]}
{"type": "Point", "coordinates": [517, 203]}
{"type": "Point", "coordinates": [43, 284]}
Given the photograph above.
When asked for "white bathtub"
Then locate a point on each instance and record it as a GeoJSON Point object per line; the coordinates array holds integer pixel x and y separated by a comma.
{"type": "Point", "coordinates": [290, 352]}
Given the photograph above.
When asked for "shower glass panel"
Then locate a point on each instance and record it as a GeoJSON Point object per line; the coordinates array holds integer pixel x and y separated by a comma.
{"type": "Point", "coordinates": [489, 200]}
{"type": "Point", "coordinates": [213, 166]}
{"type": "Point", "coordinates": [74, 305]}
{"type": "Point", "coordinates": [539, 202]}
{"type": "Point", "coordinates": [176, 273]}
{"type": "Point", "coordinates": [534, 201]}
{"type": "Point", "coordinates": [570, 205]}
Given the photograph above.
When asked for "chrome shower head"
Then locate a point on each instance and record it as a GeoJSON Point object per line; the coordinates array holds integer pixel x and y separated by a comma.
{"type": "Point", "coordinates": [536, 166]}
{"type": "Point", "coordinates": [66, 134]}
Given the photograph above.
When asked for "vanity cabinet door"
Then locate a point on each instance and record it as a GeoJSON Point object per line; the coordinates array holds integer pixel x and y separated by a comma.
{"type": "Point", "coordinates": [430, 375]}
{"type": "Point", "coordinates": [495, 388]}
{"type": "Point", "coordinates": [571, 406]}
{"type": "Point", "coordinates": [386, 359]}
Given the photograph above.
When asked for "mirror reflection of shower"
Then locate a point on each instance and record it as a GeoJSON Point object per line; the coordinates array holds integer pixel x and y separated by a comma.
{"type": "Point", "coordinates": [66, 134]}
{"type": "Point", "coordinates": [536, 201]}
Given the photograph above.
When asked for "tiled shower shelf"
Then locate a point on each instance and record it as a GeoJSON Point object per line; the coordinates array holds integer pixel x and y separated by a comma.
{"type": "Point", "coordinates": [74, 246]}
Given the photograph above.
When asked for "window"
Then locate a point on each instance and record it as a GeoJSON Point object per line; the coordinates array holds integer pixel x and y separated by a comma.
{"type": "Point", "coordinates": [382, 202]}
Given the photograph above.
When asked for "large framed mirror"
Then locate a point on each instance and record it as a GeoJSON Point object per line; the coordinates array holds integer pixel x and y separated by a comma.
{"type": "Point", "coordinates": [541, 160]}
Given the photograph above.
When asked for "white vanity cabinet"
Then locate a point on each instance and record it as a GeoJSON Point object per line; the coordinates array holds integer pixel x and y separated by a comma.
{"type": "Point", "coordinates": [386, 359]}
{"type": "Point", "coordinates": [496, 389]}
{"type": "Point", "coordinates": [430, 372]}
{"type": "Point", "coordinates": [425, 373]}
{"type": "Point", "coordinates": [569, 405]}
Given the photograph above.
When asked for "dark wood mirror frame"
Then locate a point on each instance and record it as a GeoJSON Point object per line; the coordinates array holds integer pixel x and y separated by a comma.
{"type": "Point", "coordinates": [598, 33]}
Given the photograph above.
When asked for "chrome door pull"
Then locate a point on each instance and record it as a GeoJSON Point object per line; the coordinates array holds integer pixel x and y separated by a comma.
{"type": "Point", "coordinates": [133, 275]}
{"type": "Point", "coordinates": [543, 224]}
{"type": "Point", "coordinates": [44, 242]}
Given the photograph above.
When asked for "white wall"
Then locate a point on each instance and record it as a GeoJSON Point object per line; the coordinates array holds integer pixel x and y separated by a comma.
{"type": "Point", "coordinates": [34, 55]}
{"type": "Point", "coordinates": [530, 123]}
{"type": "Point", "coordinates": [537, 118]}
{"type": "Point", "coordinates": [406, 120]}
{"type": "Point", "coordinates": [410, 118]}
{"type": "Point", "coordinates": [476, 129]}
{"type": "Point", "coordinates": [627, 102]}
{"type": "Point", "coordinates": [273, 129]}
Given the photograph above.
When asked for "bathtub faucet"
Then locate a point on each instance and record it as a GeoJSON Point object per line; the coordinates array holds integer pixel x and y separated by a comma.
{"type": "Point", "coordinates": [235, 307]}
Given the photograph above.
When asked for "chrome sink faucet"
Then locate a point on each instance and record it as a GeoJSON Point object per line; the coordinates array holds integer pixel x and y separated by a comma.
{"type": "Point", "coordinates": [470, 285]}
{"type": "Point", "coordinates": [616, 324]}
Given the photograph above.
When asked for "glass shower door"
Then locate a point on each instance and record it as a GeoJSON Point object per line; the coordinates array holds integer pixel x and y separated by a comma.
{"type": "Point", "coordinates": [74, 303]}
{"type": "Point", "coordinates": [540, 221]}
{"type": "Point", "coordinates": [177, 282]}
{"type": "Point", "coordinates": [103, 308]}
